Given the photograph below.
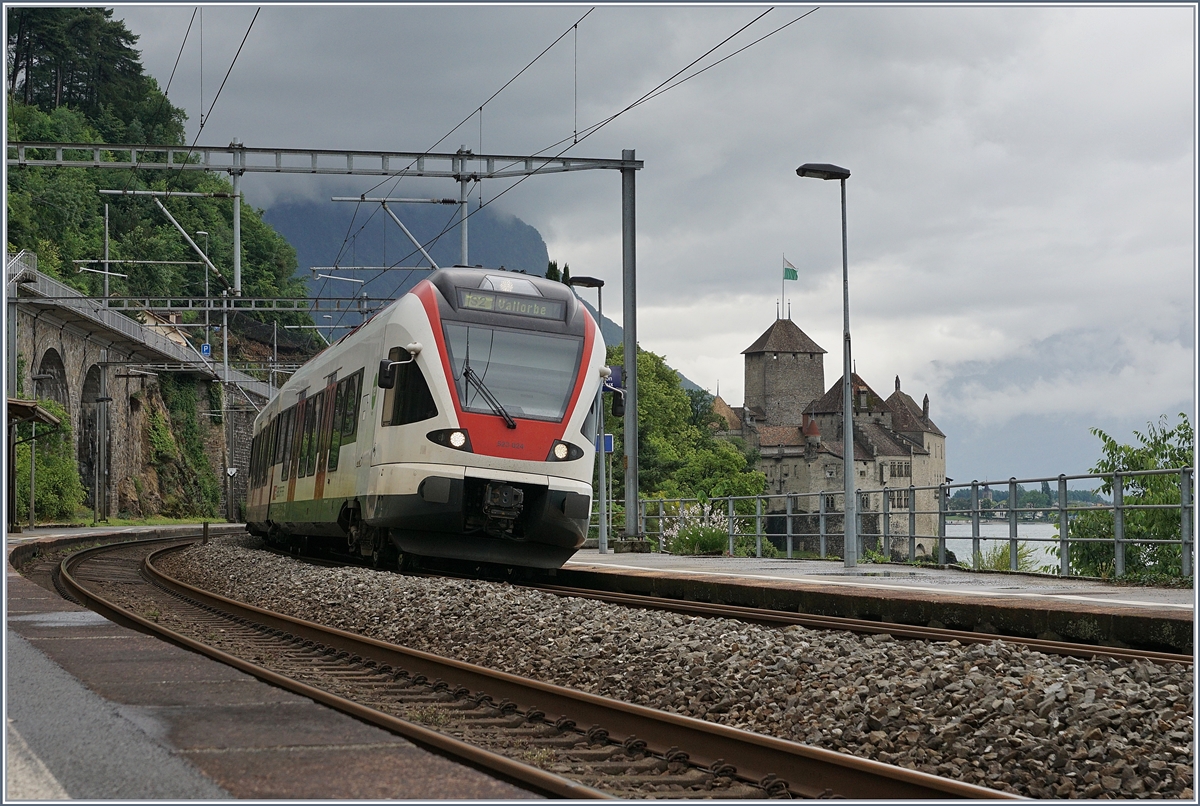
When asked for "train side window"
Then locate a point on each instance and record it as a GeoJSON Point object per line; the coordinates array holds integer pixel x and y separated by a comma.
{"type": "Point", "coordinates": [335, 435]}
{"type": "Point", "coordinates": [298, 436]}
{"type": "Point", "coordinates": [409, 400]}
{"type": "Point", "coordinates": [353, 395]}
{"type": "Point", "coordinates": [312, 434]}
{"type": "Point", "coordinates": [280, 433]}
{"type": "Point", "coordinates": [263, 442]}
{"type": "Point", "coordinates": [285, 442]}
{"type": "Point", "coordinates": [310, 413]}
{"type": "Point", "coordinates": [271, 442]}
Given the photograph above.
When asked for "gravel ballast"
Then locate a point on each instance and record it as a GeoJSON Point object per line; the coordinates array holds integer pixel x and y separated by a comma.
{"type": "Point", "coordinates": [997, 715]}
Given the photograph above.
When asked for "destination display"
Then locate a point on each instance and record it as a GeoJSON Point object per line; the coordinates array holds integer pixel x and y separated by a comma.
{"type": "Point", "coordinates": [474, 300]}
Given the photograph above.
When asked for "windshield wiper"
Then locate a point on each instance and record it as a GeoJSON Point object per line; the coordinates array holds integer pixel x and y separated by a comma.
{"type": "Point", "coordinates": [470, 376]}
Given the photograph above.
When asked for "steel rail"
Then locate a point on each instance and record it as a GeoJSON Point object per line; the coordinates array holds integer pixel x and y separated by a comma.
{"type": "Point", "coordinates": [808, 771]}
{"type": "Point", "coordinates": [896, 630]}
{"type": "Point", "coordinates": [540, 779]}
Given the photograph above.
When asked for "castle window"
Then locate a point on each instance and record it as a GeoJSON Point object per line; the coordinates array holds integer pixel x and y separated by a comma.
{"type": "Point", "coordinates": [830, 503]}
{"type": "Point", "coordinates": [901, 469]}
{"type": "Point", "coordinates": [898, 499]}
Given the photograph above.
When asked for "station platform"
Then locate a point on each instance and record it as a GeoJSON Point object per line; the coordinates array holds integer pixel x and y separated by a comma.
{"type": "Point", "coordinates": [96, 711]}
{"type": "Point", "coordinates": [1030, 605]}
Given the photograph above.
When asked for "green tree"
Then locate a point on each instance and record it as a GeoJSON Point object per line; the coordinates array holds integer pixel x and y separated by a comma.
{"type": "Point", "coordinates": [552, 272]}
{"type": "Point", "coordinates": [677, 458]}
{"type": "Point", "coordinates": [83, 59]}
{"type": "Point", "coordinates": [59, 490]}
{"type": "Point", "coordinates": [1159, 447]}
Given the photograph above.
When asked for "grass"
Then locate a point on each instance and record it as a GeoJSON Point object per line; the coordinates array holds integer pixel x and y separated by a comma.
{"type": "Point", "coordinates": [83, 517]}
{"type": "Point", "coordinates": [997, 557]}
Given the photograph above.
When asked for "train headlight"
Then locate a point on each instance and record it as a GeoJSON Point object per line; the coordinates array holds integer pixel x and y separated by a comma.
{"type": "Point", "coordinates": [564, 452]}
{"type": "Point", "coordinates": [456, 438]}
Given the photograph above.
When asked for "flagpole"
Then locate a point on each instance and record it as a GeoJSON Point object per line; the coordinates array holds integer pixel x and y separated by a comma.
{"type": "Point", "coordinates": [781, 279]}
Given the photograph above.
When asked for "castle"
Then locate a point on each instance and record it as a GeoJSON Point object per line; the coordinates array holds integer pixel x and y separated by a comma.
{"type": "Point", "coordinates": [795, 423]}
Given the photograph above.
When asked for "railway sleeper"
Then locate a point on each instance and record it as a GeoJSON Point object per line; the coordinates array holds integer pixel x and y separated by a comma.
{"type": "Point", "coordinates": [507, 722]}
{"type": "Point", "coordinates": [690, 780]}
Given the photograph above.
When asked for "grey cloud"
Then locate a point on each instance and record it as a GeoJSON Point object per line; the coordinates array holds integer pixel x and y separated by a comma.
{"type": "Point", "coordinates": [1022, 199]}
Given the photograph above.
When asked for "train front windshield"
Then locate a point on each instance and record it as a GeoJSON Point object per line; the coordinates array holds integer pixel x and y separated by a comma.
{"type": "Point", "coordinates": [531, 374]}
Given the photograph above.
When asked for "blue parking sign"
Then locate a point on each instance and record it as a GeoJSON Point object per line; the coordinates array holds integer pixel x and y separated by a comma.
{"type": "Point", "coordinates": [206, 349]}
{"type": "Point", "coordinates": [608, 443]}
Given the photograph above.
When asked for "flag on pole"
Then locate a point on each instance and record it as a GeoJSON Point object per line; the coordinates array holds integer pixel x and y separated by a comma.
{"type": "Point", "coordinates": [789, 271]}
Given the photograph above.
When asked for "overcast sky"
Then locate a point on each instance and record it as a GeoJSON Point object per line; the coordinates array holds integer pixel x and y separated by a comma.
{"type": "Point", "coordinates": [1022, 209]}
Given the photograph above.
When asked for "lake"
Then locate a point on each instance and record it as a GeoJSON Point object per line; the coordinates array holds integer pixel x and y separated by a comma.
{"type": "Point", "coordinates": [995, 533]}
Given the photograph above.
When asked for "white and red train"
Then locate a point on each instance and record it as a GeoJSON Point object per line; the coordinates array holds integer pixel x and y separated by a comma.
{"type": "Point", "coordinates": [458, 422]}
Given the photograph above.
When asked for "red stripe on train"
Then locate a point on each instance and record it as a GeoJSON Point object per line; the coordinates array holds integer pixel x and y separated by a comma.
{"type": "Point", "coordinates": [530, 441]}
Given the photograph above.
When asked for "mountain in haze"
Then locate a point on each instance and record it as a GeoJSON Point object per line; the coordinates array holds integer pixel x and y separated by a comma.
{"type": "Point", "coordinates": [345, 234]}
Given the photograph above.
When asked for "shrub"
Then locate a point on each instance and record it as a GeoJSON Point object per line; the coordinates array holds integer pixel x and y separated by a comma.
{"type": "Point", "coordinates": [699, 539]}
{"type": "Point", "coordinates": [59, 490]}
{"type": "Point", "coordinates": [1160, 447]}
{"type": "Point", "coordinates": [747, 546]}
{"type": "Point", "coordinates": [997, 557]}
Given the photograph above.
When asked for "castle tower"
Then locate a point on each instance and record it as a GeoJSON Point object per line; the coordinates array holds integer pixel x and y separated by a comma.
{"type": "Point", "coordinates": [785, 371]}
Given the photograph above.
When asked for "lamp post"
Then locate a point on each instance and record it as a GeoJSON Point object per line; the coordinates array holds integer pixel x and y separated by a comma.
{"type": "Point", "coordinates": [207, 302]}
{"type": "Point", "coordinates": [33, 450]}
{"type": "Point", "coordinates": [602, 528]}
{"type": "Point", "coordinates": [850, 550]}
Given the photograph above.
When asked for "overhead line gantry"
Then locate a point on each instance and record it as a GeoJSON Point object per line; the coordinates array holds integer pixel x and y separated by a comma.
{"type": "Point", "coordinates": [462, 166]}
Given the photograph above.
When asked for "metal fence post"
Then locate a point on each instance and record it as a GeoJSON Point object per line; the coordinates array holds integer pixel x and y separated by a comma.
{"type": "Point", "coordinates": [789, 527]}
{"type": "Point", "coordinates": [1012, 523]}
{"type": "Point", "coordinates": [1118, 525]}
{"type": "Point", "coordinates": [758, 526]}
{"type": "Point", "coordinates": [641, 517]}
{"type": "Point", "coordinates": [731, 527]}
{"type": "Point", "coordinates": [1187, 520]}
{"type": "Point", "coordinates": [661, 515]}
{"type": "Point", "coordinates": [858, 523]}
{"type": "Point", "coordinates": [1064, 545]}
{"type": "Point", "coordinates": [821, 520]}
{"type": "Point", "coordinates": [975, 556]}
{"type": "Point", "coordinates": [943, 503]}
{"type": "Point", "coordinates": [912, 523]}
{"type": "Point", "coordinates": [204, 540]}
{"type": "Point", "coordinates": [886, 548]}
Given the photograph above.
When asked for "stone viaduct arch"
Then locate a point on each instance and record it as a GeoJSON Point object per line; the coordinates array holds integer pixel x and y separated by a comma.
{"type": "Point", "coordinates": [55, 331]}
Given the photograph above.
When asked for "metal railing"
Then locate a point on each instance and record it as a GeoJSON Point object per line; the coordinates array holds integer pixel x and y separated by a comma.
{"type": "Point", "coordinates": [908, 522]}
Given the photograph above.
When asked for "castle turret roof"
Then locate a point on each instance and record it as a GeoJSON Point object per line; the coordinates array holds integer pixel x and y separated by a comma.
{"type": "Point", "coordinates": [783, 337]}
{"type": "Point", "coordinates": [831, 401]}
{"type": "Point", "coordinates": [908, 417]}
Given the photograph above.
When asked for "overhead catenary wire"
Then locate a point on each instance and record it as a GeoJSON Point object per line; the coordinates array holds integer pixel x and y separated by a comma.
{"type": "Point", "coordinates": [658, 90]}
{"type": "Point", "coordinates": [166, 92]}
{"type": "Point", "coordinates": [206, 118]}
{"type": "Point", "coordinates": [661, 88]}
{"type": "Point", "coordinates": [478, 111]}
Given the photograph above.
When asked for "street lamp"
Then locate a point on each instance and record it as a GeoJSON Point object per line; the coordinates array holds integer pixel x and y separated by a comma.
{"type": "Point", "coordinates": [826, 171]}
{"type": "Point", "coordinates": [33, 449]}
{"type": "Point", "coordinates": [602, 527]}
{"type": "Point", "coordinates": [207, 302]}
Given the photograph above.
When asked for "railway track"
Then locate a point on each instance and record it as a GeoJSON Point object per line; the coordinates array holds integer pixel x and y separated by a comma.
{"type": "Point", "coordinates": [558, 741]}
{"type": "Point", "coordinates": [784, 618]}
